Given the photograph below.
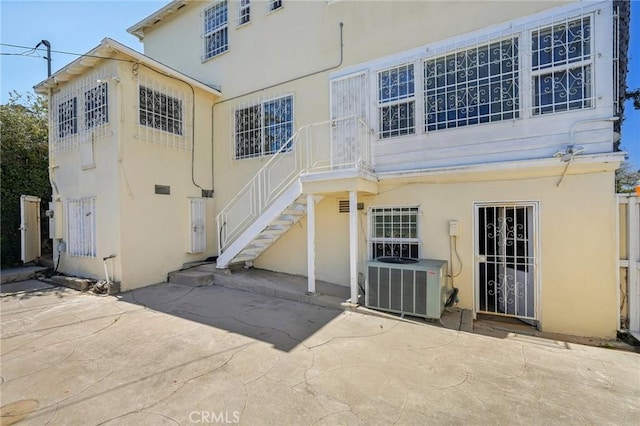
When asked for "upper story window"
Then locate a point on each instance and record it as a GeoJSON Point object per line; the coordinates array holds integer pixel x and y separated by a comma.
{"type": "Point", "coordinates": [68, 117]}
{"type": "Point", "coordinates": [396, 101]}
{"type": "Point", "coordinates": [394, 232]}
{"type": "Point", "coordinates": [216, 36]}
{"type": "Point", "coordinates": [160, 111]}
{"type": "Point", "coordinates": [562, 66]}
{"type": "Point", "coordinates": [263, 129]}
{"type": "Point", "coordinates": [274, 5]}
{"type": "Point", "coordinates": [478, 85]}
{"type": "Point", "coordinates": [96, 110]}
{"type": "Point", "coordinates": [244, 12]}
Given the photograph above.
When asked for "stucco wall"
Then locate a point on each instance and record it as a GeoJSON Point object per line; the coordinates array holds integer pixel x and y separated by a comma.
{"type": "Point", "coordinates": [576, 240]}
{"type": "Point", "coordinates": [155, 229]}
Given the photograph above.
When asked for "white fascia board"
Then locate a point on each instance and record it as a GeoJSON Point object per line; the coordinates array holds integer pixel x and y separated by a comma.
{"type": "Point", "coordinates": [138, 28]}
{"type": "Point", "coordinates": [488, 33]}
{"type": "Point", "coordinates": [107, 46]}
{"type": "Point", "coordinates": [612, 159]}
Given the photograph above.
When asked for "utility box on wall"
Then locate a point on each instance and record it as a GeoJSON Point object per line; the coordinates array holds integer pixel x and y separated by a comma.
{"type": "Point", "coordinates": [416, 288]}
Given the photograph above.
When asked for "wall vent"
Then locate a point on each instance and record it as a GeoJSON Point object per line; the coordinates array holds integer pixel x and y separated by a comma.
{"type": "Point", "coordinates": [343, 206]}
{"type": "Point", "coordinates": [163, 189]}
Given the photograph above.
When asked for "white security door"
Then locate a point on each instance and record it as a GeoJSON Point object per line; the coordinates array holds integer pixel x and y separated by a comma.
{"type": "Point", "coordinates": [348, 106]}
{"type": "Point", "coordinates": [29, 228]}
{"type": "Point", "coordinates": [506, 260]}
{"type": "Point", "coordinates": [198, 212]}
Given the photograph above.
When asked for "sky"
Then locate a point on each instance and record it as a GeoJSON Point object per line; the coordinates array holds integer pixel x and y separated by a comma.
{"type": "Point", "coordinates": [79, 26]}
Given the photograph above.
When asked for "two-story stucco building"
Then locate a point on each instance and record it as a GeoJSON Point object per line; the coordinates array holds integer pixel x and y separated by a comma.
{"type": "Point", "coordinates": [314, 137]}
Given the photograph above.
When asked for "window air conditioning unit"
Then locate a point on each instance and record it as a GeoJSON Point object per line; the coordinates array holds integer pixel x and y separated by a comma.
{"type": "Point", "coordinates": [415, 287]}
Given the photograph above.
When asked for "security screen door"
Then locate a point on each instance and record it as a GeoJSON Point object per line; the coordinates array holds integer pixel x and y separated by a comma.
{"type": "Point", "coordinates": [348, 103]}
{"type": "Point", "coordinates": [506, 260]}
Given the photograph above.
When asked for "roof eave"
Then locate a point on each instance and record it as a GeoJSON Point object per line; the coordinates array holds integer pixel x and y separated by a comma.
{"type": "Point", "coordinates": [139, 27]}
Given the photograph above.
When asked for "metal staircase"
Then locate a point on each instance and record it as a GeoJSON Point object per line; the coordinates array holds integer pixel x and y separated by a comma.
{"type": "Point", "coordinates": [272, 201]}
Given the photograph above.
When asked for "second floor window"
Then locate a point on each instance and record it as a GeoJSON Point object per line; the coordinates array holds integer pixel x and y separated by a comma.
{"type": "Point", "coordinates": [244, 11]}
{"type": "Point", "coordinates": [561, 67]}
{"type": "Point", "coordinates": [160, 111]}
{"type": "Point", "coordinates": [263, 129]}
{"type": "Point", "coordinates": [274, 5]}
{"type": "Point", "coordinates": [68, 117]}
{"type": "Point", "coordinates": [216, 35]}
{"type": "Point", "coordinates": [95, 106]}
{"type": "Point", "coordinates": [478, 85]}
{"type": "Point", "coordinates": [396, 101]}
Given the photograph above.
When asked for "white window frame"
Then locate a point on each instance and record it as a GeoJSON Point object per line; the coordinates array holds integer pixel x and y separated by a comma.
{"type": "Point", "coordinates": [220, 29]}
{"type": "Point", "coordinates": [81, 227]}
{"type": "Point", "coordinates": [263, 127]}
{"type": "Point", "coordinates": [244, 12]}
{"type": "Point", "coordinates": [274, 5]}
{"type": "Point", "coordinates": [475, 111]}
{"type": "Point", "coordinates": [549, 70]}
{"type": "Point", "coordinates": [401, 210]}
{"type": "Point", "coordinates": [398, 101]}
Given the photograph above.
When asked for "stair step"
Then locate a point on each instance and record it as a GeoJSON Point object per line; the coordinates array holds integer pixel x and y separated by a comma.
{"type": "Point", "coordinates": [195, 278]}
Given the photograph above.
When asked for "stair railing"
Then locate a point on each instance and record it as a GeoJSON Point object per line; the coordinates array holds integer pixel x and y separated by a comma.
{"type": "Point", "coordinates": [346, 145]}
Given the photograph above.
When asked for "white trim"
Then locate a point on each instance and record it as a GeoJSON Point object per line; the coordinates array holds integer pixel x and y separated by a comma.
{"type": "Point", "coordinates": [467, 39]}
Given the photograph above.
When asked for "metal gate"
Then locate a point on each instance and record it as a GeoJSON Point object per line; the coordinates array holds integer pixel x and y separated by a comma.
{"type": "Point", "coordinates": [506, 260]}
{"type": "Point", "coordinates": [348, 102]}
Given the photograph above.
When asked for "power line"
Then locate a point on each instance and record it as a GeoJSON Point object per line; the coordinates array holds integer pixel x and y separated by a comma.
{"type": "Point", "coordinates": [81, 55]}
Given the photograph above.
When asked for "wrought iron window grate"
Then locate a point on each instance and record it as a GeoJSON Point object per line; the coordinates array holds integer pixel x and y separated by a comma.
{"type": "Point", "coordinates": [396, 103]}
{"type": "Point", "coordinates": [472, 86]}
{"type": "Point", "coordinates": [395, 232]}
{"type": "Point", "coordinates": [263, 128]}
{"type": "Point", "coordinates": [216, 32]}
{"type": "Point", "coordinates": [561, 66]}
{"type": "Point", "coordinates": [79, 112]}
{"type": "Point", "coordinates": [162, 114]}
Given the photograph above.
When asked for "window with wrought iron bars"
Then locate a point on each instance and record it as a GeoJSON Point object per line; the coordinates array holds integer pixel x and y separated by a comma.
{"type": "Point", "coordinates": [561, 66]}
{"type": "Point", "coordinates": [478, 85]}
{"type": "Point", "coordinates": [396, 101]}
{"type": "Point", "coordinates": [96, 110]}
{"type": "Point", "coordinates": [160, 111]}
{"type": "Point", "coordinates": [394, 232]}
{"type": "Point", "coordinates": [68, 117]}
{"type": "Point", "coordinates": [216, 36]}
{"type": "Point", "coordinates": [264, 128]}
{"type": "Point", "coordinates": [244, 12]}
{"type": "Point", "coordinates": [82, 227]}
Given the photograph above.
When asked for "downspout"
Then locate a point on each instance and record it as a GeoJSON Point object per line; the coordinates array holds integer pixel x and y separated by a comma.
{"type": "Point", "coordinates": [267, 88]}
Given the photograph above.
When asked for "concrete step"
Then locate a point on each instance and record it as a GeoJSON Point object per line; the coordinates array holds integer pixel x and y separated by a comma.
{"type": "Point", "coordinates": [195, 277]}
{"type": "Point", "coordinates": [23, 273]}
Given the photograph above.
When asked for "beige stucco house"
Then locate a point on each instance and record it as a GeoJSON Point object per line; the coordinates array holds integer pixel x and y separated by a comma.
{"type": "Point", "coordinates": [313, 137]}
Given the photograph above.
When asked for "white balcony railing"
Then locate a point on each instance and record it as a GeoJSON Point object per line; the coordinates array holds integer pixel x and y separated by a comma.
{"type": "Point", "coordinates": [321, 147]}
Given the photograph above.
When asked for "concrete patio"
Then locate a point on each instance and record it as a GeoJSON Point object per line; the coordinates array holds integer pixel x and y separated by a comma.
{"type": "Point", "coordinates": [175, 354]}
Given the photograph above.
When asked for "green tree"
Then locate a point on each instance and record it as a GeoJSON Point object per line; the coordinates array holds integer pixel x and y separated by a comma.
{"type": "Point", "coordinates": [25, 165]}
{"type": "Point", "coordinates": [626, 178]}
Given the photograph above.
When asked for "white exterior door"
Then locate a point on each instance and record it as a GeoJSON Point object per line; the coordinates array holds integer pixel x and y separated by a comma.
{"type": "Point", "coordinates": [29, 228]}
{"type": "Point", "coordinates": [348, 105]}
{"type": "Point", "coordinates": [506, 260]}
